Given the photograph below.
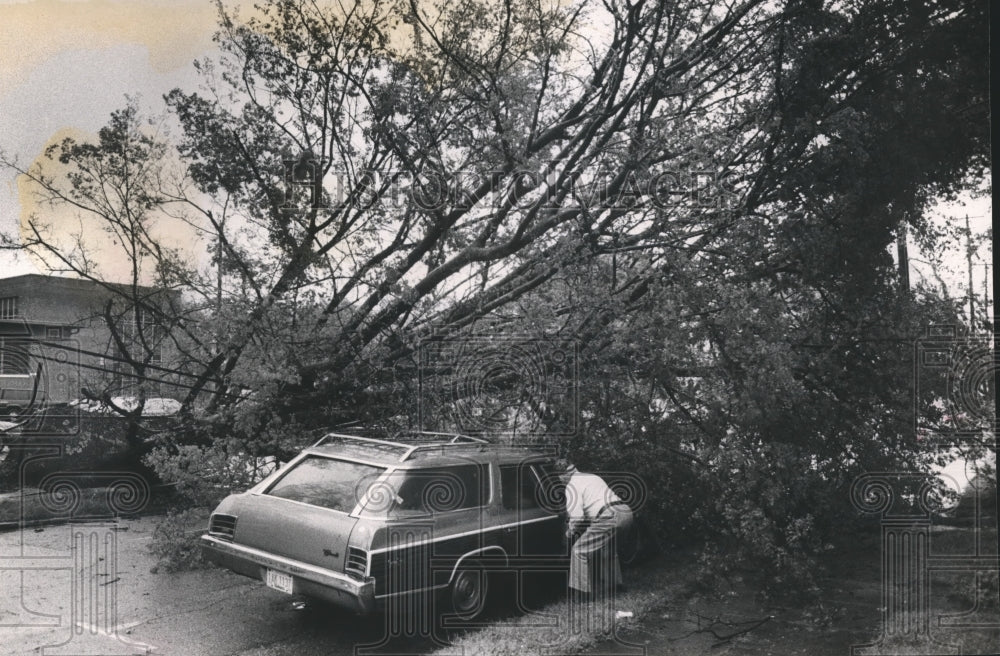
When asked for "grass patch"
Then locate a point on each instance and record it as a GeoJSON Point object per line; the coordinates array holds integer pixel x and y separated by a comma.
{"type": "Point", "coordinates": [567, 628]}
{"type": "Point", "coordinates": [670, 608]}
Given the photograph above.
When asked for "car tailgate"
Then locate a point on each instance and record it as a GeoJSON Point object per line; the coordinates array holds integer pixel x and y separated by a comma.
{"type": "Point", "coordinates": [310, 534]}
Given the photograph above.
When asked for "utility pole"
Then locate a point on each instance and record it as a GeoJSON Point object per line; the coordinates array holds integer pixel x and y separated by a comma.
{"type": "Point", "coordinates": [218, 293]}
{"type": "Point", "coordinates": [986, 295]}
{"type": "Point", "coordinates": [968, 259]}
{"type": "Point", "coordinates": [217, 340]}
{"type": "Point", "coordinates": [903, 256]}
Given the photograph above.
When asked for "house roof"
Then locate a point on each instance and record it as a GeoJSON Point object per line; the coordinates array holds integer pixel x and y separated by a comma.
{"type": "Point", "coordinates": [56, 300]}
{"type": "Point", "coordinates": [67, 282]}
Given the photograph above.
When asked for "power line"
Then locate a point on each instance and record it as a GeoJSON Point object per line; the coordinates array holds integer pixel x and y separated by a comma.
{"type": "Point", "coordinates": [113, 359]}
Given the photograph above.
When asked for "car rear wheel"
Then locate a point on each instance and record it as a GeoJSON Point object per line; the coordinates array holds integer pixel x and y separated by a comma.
{"type": "Point", "coordinates": [639, 544]}
{"type": "Point", "coordinates": [468, 591]}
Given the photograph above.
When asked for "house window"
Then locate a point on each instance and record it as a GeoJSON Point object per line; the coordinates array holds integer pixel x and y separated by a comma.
{"type": "Point", "coordinates": [8, 307]}
{"type": "Point", "coordinates": [154, 339]}
{"type": "Point", "coordinates": [13, 357]}
{"type": "Point", "coordinates": [145, 339]}
{"type": "Point", "coordinates": [154, 334]}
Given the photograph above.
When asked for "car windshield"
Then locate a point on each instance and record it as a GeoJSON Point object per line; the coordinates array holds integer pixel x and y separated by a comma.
{"type": "Point", "coordinates": [325, 482]}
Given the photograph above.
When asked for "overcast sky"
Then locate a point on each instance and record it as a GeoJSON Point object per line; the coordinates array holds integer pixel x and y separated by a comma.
{"type": "Point", "coordinates": [66, 64]}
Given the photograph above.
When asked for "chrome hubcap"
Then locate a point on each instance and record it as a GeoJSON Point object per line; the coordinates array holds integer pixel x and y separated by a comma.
{"type": "Point", "coordinates": [468, 590]}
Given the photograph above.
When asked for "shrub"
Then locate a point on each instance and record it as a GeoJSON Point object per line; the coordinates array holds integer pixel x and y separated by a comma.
{"type": "Point", "coordinates": [175, 541]}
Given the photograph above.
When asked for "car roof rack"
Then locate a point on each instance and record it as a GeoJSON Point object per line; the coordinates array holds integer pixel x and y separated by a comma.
{"type": "Point", "coordinates": [438, 446]}
{"type": "Point", "coordinates": [355, 438]}
{"type": "Point", "coordinates": [410, 449]}
{"type": "Point", "coordinates": [456, 438]}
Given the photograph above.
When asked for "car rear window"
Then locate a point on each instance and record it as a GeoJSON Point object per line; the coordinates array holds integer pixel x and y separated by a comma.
{"type": "Point", "coordinates": [325, 482]}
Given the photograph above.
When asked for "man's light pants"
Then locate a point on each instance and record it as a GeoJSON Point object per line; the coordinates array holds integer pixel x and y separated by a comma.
{"type": "Point", "coordinates": [594, 566]}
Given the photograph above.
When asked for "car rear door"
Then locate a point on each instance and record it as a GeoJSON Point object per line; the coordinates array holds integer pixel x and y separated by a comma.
{"type": "Point", "coordinates": [438, 517]}
{"type": "Point", "coordinates": [536, 512]}
{"type": "Point", "coordinates": [305, 514]}
{"type": "Point", "coordinates": [295, 530]}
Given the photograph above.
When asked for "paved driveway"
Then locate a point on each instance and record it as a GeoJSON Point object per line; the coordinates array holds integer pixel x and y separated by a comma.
{"type": "Point", "coordinates": [88, 589]}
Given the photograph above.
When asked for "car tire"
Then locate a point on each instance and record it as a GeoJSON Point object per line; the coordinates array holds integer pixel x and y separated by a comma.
{"type": "Point", "coordinates": [638, 545]}
{"type": "Point", "coordinates": [468, 591]}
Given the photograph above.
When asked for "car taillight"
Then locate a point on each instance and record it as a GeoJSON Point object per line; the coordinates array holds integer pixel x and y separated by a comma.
{"type": "Point", "coordinates": [357, 562]}
{"type": "Point", "coordinates": [222, 526]}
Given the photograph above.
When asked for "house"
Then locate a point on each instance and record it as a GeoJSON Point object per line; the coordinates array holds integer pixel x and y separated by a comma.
{"type": "Point", "coordinates": [56, 339]}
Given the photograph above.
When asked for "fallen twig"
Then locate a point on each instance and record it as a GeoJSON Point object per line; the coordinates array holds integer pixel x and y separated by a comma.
{"type": "Point", "coordinates": [717, 621]}
{"type": "Point", "coordinates": [724, 639]}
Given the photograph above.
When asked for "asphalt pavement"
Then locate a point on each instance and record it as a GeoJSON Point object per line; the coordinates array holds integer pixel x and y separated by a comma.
{"type": "Point", "coordinates": [88, 589]}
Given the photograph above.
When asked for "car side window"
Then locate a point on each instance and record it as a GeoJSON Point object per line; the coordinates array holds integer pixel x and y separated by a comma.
{"type": "Point", "coordinates": [440, 489]}
{"type": "Point", "coordinates": [518, 487]}
{"type": "Point", "coordinates": [552, 490]}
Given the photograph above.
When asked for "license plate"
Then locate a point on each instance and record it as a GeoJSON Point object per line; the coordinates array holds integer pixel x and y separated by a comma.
{"type": "Point", "coordinates": [279, 581]}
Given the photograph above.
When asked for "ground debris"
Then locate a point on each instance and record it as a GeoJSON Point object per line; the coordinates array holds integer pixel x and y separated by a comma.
{"type": "Point", "coordinates": [717, 627]}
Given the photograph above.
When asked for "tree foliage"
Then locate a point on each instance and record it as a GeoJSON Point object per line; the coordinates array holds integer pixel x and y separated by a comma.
{"type": "Point", "coordinates": [699, 196]}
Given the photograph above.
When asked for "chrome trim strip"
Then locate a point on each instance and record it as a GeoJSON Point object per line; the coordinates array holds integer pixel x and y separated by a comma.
{"type": "Point", "coordinates": [450, 578]}
{"type": "Point", "coordinates": [415, 590]}
{"type": "Point", "coordinates": [309, 572]}
{"type": "Point", "coordinates": [417, 543]}
{"type": "Point", "coordinates": [458, 563]}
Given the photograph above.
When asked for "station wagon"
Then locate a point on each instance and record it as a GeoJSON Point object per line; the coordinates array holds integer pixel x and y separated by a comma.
{"type": "Point", "coordinates": [360, 522]}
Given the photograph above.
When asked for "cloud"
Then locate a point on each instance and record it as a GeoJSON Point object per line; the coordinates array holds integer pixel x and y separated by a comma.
{"type": "Point", "coordinates": [65, 65]}
{"type": "Point", "coordinates": [174, 33]}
